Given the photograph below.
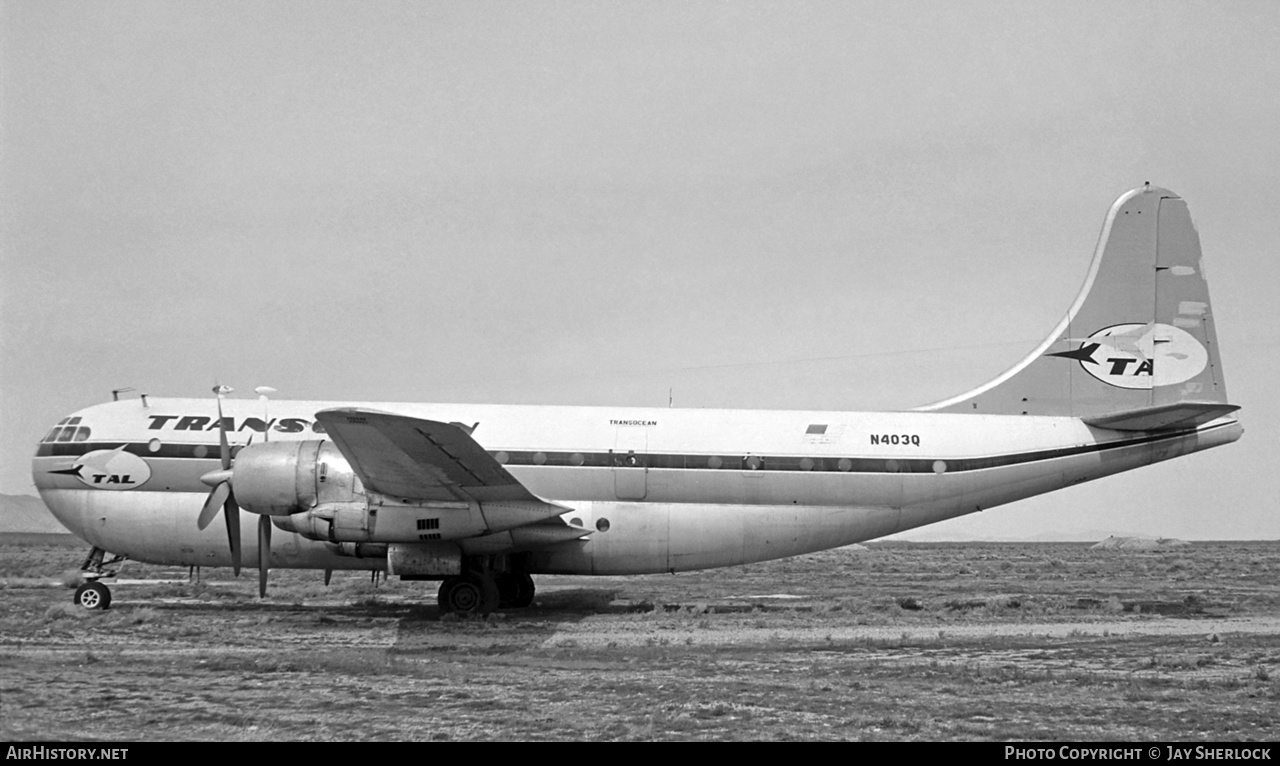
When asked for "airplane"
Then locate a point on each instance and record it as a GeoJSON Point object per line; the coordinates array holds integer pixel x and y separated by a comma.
{"type": "Point", "coordinates": [481, 497]}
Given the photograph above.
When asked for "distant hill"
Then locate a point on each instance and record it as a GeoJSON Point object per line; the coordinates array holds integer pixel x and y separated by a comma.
{"type": "Point", "coordinates": [24, 513]}
{"type": "Point", "coordinates": [946, 534]}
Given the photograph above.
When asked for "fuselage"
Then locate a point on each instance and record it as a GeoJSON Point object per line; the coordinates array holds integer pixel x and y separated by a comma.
{"type": "Point", "coordinates": [657, 489]}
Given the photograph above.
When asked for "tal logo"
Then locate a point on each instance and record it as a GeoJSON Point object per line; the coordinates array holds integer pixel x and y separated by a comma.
{"type": "Point", "coordinates": [1140, 355]}
{"type": "Point", "coordinates": [109, 469]}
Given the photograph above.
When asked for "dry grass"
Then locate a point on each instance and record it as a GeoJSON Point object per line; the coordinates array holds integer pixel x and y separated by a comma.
{"type": "Point", "coordinates": [692, 656]}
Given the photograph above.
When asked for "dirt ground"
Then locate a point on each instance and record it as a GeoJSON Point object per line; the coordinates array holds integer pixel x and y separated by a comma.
{"type": "Point", "coordinates": [895, 642]}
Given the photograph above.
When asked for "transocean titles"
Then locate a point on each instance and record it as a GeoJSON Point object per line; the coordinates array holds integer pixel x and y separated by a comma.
{"type": "Point", "coordinates": [292, 425]}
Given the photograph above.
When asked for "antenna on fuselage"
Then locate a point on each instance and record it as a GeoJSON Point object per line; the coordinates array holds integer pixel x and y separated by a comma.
{"type": "Point", "coordinates": [115, 392]}
{"type": "Point", "coordinates": [262, 392]}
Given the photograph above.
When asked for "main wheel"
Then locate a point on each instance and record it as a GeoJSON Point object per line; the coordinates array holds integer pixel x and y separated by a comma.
{"type": "Point", "coordinates": [471, 594]}
{"type": "Point", "coordinates": [92, 595]}
{"type": "Point", "coordinates": [443, 595]}
{"type": "Point", "coordinates": [515, 589]}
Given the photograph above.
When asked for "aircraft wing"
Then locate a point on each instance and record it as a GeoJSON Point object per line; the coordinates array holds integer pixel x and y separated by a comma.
{"type": "Point", "coordinates": [420, 459]}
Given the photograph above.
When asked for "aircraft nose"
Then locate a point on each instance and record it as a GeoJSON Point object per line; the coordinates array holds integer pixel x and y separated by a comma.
{"type": "Point", "coordinates": [61, 442]}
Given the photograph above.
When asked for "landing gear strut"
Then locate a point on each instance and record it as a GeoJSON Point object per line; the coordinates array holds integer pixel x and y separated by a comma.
{"type": "Point", "coordinates": [94, 594]}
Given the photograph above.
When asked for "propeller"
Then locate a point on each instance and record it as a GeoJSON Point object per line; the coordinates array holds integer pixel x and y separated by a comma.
{"type": "Point", "coordinates": [264, 522]}
{"type": "Point", "coordinates": [262, 392]}
{"type": "Point", "coordinates": [221, 494]}
{"type": "Point", "coordinates": [264, 553]}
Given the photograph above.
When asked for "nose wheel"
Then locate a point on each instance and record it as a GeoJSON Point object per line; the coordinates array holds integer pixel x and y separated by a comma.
{"type": "Point", "coordinates": [92, 595]}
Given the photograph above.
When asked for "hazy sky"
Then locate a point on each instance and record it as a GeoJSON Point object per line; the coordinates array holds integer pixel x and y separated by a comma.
{"type": "Point", "coordinates": [828, 205]}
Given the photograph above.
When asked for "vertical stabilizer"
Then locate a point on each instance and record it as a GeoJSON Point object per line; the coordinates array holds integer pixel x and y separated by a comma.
{"type": "Point", "coordinates": [1139, 335]}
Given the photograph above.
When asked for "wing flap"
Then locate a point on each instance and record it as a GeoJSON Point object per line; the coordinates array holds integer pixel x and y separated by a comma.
{"type": "Point", "coordinates": [1164, 417]}
{"type": "Point", "coordinates": [420, 459]}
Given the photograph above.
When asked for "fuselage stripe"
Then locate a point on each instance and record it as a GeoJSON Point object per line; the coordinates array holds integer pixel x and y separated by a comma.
{"type": "Point", "coordinates": [682, 461]}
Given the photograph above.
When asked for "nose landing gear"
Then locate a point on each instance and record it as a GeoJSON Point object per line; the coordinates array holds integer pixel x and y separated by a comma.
{"type": "Point", "coordinates": [93, 595]}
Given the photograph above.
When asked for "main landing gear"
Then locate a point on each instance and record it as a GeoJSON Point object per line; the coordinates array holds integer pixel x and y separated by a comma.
{"type": "Point", "coordinates": [478, 593]}
{"type": "Point", "coordinates": [94, 594]}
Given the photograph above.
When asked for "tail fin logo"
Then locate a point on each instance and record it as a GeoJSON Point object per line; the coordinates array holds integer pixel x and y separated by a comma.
{"type": "Point", "coordinates": [1129, 355]}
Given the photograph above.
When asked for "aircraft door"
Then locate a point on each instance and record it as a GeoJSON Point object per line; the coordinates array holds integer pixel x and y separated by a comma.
{"type": "Point", "coordinates": [630, 468]}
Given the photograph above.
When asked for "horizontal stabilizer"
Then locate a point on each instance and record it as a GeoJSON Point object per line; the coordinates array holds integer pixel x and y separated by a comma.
{"type": "Point", "coordinates": [1165, 417]}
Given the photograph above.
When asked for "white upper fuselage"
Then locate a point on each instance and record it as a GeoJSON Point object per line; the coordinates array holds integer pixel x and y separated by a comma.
{"type": "Point", "coordinates": [673, 484]}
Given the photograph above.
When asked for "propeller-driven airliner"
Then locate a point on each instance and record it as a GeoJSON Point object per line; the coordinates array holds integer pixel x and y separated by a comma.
{"type": "Point", "coordinates": [483, 497]}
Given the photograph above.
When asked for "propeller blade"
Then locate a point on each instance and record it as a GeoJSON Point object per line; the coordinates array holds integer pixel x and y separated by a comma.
{"type": "Point", "coordinates": [224, 449]}
{"type": "Point", "coordinates": [231, 511]}
{"type": "Point", "coordinates": [217, 496]}
{"type": "Point", "coordinates": [222, 494]}
{"type": "Point", "coordinates": [264, 553]}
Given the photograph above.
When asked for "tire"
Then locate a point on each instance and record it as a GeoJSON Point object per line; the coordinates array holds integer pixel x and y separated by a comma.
{"type": "Point", "coordinates": [515, 590]}
{"type": "Point", "coordinates": [92, 595]}
{"type": "Point", "coordinates": [524, 595]}
{"type": "Point", "coordinates": [471, 594]}
{"type": "Point", "coordinates": [442, 596]}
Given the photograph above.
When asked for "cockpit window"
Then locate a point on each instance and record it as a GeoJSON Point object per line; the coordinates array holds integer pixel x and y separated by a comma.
{"type": "Point", "coordinates": [68, 429]}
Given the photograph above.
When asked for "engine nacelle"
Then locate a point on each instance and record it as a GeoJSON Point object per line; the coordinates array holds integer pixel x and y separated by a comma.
{"type": "Point", "coordinates": [375, 520]}
{"type": "Point", "coordinates": [287, 477]}
{"type": "Point", "coordinates": [360, 550]}
{"type": "Point", "coordinates": [333, 522]}
{"type": "Point", "coordinates": [309, 488]}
